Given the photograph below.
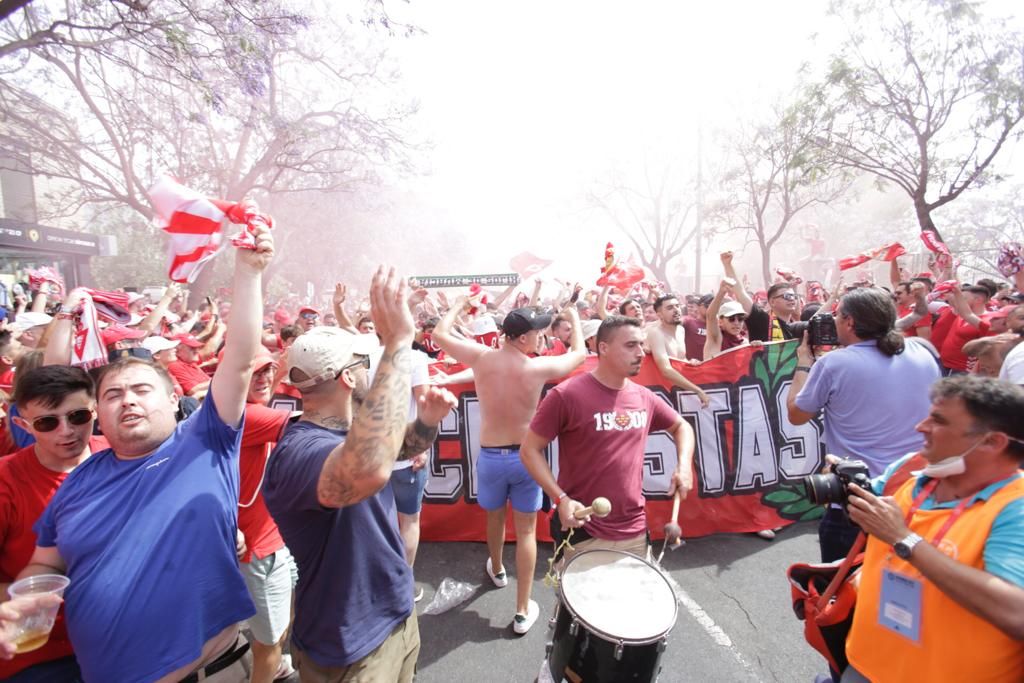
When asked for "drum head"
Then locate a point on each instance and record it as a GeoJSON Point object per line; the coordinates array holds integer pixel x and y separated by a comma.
{"type": "Point", "coordinates": [618, 594]}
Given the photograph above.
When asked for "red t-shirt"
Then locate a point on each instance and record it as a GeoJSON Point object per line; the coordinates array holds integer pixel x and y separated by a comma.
{"type": "Point", "coordinates": [7, 380]}
{"type": "Point", "coordinates": [925, 322]}
{"type": "Point", "coordinates": [188, 375]}
{"type": "Point", "coordinates": [26, 487]}
{"type": "Point", "coordinates": [558, 348]}
{"type": "Point", "coordinates": [942, 325]}
{"type": "Point", "coordinates": [602, 434]}
{"type": "Point", "coordinates": [960, 333]}
{"type": "Point", "coordinates": [695, 334]}
{"type": "Point", "coordinates": [263, 427]}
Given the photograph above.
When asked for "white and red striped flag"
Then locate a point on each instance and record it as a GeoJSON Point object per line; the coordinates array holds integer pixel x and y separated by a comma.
{"type": "Point", "coordinates": [194, 224]}
{"type": "Point", "coordinates": [886, 253]}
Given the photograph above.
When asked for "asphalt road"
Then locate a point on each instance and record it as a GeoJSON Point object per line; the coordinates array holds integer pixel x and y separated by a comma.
{"type": "Point", "coordinates": [737, 624]}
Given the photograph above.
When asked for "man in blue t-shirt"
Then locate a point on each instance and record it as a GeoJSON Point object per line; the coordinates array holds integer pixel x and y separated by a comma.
{"type": "Point", "coordinates": [872, 393]}
{"type": "Point", "coordinates": [146, 530]}
{"type": "Point", "coordinates": [326, 488]}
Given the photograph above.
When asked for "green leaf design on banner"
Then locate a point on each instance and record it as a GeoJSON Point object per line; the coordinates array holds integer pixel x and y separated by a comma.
{"type": "Point", "coordinates": [762, 374]}
{"type": "Point", "coordinates": [790, 502]}
{"type": "Point", "coordinates": [783, 496]}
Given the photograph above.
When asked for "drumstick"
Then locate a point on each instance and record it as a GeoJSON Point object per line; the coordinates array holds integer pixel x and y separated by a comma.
{"type": "Point", "coordinates": [673, 532]}
{"type": "Point", "coordinates": [599, 508]}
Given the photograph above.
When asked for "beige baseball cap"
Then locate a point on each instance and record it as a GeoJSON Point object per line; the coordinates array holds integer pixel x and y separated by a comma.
{"type": "Point", "coordinates": [322, 352]}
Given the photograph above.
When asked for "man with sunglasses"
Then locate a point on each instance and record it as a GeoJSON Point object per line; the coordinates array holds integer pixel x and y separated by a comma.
{"type": "Point", "coordinates": [326, 488]}
{"type": "Point", "coordinates": [308, 318]}
{"type": "Point", "coordinates": [146, 530]}
{"type": "Point", "coordinates": [57, 407]}
{"type": "Point", "coordinates": [725, 322]}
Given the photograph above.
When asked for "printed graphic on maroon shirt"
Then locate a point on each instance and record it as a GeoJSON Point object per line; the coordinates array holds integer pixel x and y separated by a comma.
{"type": "Point", "coordinates": [696, 333]}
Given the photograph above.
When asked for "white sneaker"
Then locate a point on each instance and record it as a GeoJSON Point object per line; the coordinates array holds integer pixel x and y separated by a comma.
{"type": "Point", "coordinates": [522, 623]}
{"type": "Point", "coordinates": [766, 534]}
{"type": "Point", "coordinates": [500, 579]}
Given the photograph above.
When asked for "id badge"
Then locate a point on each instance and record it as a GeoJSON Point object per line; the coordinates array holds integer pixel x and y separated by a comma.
{"type": "Point", "coordinates": [900, 609]}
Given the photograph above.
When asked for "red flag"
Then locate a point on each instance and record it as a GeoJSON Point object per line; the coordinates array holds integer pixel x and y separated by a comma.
{"type": "Point", "coordinates": [886, 253]}
{"type": "Point", "coordinates": [526, 264]}
{"type": "Point", "coordinates": [934, 243]}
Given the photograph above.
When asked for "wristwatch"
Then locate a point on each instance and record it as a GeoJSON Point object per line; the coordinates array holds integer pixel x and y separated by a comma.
{"type": "Point", "coordinates": [904, 548]}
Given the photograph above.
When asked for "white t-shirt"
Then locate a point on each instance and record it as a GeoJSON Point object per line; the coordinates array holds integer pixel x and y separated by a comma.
{"type": "Point", "coordinates": [1013, 366]}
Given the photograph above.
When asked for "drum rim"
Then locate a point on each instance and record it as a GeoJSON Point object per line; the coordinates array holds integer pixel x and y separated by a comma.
{"type": "Point", "coordinates": [608, 637]}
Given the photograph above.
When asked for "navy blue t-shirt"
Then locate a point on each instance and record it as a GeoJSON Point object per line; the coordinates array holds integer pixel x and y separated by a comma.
{"type": "Point", "coordinates": [354, 584]}
{"type": "Point", "coordinates": [150, 549]}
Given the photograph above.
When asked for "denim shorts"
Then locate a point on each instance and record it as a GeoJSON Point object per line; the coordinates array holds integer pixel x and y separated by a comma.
{"type": "Point", "coordinates": [408, 488]}
{"type": "Point", "coordinates": [501, 476]}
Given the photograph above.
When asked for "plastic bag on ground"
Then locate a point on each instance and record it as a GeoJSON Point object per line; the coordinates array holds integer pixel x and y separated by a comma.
{"type": "Point", "coordinates": [450, 593]}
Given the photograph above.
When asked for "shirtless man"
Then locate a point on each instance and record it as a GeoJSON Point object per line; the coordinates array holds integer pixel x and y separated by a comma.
{"type": "Point", "coordinates": [508, 383]}
{"type": "Point", "coordinates": [666, 340]}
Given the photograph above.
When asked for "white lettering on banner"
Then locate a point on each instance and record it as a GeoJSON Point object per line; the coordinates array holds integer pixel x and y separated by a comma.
{"type": "Point", "coordinates": [767, 448]}
{"type": "Point", "coordinates": [445, 480]}
{"type": "Point", "coordinates": [709, 430]}
{"type": "Point", "coordinates": [660, 462]}
{"type": "Point", "coordinates": [755, 445]}
{"type": "Point", "coordinates": [801, 441]}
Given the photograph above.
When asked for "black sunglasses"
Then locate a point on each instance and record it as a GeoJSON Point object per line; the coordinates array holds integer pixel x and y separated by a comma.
{"type": "Point", "coordinates": [736, 318]}
{"type": "Point", "coordinates": [47, 423]}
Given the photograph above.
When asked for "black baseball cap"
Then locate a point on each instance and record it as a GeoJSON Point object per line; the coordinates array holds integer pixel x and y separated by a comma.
{"type": "Point", "coordinates": [523, 320]}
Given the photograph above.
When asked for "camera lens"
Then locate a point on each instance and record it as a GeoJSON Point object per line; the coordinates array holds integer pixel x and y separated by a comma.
{"type": "Point", "coordinates": [824, 489]}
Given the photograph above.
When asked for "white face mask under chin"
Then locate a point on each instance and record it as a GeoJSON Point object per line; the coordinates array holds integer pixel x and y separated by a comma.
{"type": "Point", "coordinates": [950, 467]}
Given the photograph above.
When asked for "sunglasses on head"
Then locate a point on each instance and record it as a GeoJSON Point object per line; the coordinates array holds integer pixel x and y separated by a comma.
{"type": "Point", "coordinates": [47, 423]}
{"type": "Point", "coordinates": [361, 360]}
{"type": "Point", "coordinates": [736, 318]}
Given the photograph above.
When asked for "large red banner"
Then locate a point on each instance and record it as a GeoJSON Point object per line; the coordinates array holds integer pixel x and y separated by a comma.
{"type": "Point", "coordinates": [748, 464]}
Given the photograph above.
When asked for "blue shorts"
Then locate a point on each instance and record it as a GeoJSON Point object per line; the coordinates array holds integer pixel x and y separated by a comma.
{"type": "Point", "coordinates": [408, 488]}
{"type": "Point", "coordinates": [501, 476]}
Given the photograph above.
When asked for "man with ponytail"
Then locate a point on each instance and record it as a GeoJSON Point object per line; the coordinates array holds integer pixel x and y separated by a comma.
{"type": "Point", "coordinates": [872, 392]}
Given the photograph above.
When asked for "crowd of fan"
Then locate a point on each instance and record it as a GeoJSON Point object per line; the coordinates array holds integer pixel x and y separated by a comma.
{"type": "Point", "coordinates": [49, 415]}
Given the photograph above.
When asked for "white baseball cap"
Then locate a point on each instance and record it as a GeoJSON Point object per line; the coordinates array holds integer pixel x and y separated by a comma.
{"type": "Point", "coordinates": [730, 308]}
{"type": "Point", "coordinates": [322, 352]}
{"type": "Point", "coordinates": [157, 344]}
{"type": "Point", "coordinates": [589, 328]}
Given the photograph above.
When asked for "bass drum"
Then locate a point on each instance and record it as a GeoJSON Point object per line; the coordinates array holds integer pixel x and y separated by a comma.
{"type": "Point", "coordinates": [614, 614]}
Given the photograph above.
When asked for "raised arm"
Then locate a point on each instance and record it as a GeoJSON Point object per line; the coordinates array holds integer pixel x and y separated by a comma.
{"type": "Point", "coordinates": [713, 341]}
{"type": "Point", "coordinates": [560, 366]}
{"type": "Point", "coordinates": [231, 381]}
{"type": "Point", "coordinates": [362, 464]}
{"type": "Point", "coordinates": [338, 304]}
{"type": "Point", "coordinates": [151, 321]}
{"type": "Point", "coordinates": [661, 359]}
{"type": "Point", "coordinates": [58, 346]}
{"type": "Point", "coordinates": [602, 302]}
{"type": "Point", "coordinates": [963, 309]}
{"type": "Point", "coordinates": [739, 291]}
{"type": "Point", "coordinates": [464, 351]}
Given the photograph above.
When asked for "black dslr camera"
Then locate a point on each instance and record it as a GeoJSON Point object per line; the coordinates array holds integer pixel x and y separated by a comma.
{"type": "Point", "coordinates": [824, 489]}
{"type": "Point", "coordinates": [821, 330]}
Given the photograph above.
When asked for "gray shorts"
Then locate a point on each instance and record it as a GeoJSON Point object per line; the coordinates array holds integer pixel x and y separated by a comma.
{"type": "Point", "coordinates": [271, 582]}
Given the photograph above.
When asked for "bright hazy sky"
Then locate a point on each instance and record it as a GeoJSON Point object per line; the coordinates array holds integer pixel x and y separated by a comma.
{"type": "Point", "coordinates": [528, 103]}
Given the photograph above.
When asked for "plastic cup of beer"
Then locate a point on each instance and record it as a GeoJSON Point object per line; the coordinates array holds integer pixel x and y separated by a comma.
{"type": "Point", "coordinates": [32, 630]}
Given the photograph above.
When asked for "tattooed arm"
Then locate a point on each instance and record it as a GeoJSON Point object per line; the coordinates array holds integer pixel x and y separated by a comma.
{"type": "Point", "coordinates": [362, 465]}
{"type": "Point", "coordinates": [432, 407]}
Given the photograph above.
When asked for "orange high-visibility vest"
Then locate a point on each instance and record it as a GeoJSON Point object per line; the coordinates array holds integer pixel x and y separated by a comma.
{"type": "Point", "coordinates": [955, 645]}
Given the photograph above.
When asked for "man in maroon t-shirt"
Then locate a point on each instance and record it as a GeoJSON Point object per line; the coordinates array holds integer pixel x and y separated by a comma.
{"type": "Point", "coordinates": [695, 328]}
{"type": "Point", "coordinates": [602, 420]}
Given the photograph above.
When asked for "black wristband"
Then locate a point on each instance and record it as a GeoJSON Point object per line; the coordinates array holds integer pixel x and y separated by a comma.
{"type": "Point", "coordinates": [805, 368]}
